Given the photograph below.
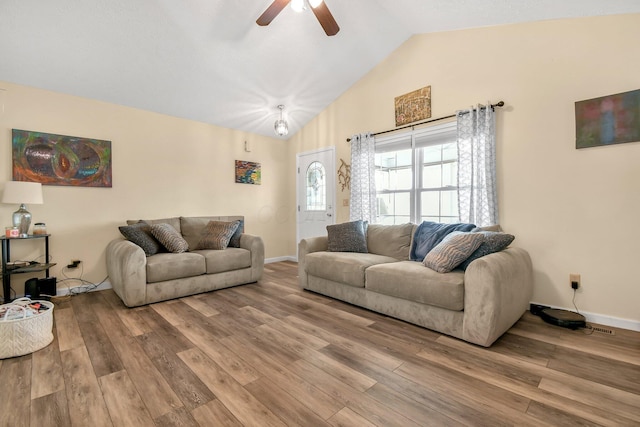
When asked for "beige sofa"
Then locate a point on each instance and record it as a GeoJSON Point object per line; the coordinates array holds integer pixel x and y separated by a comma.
{"type": "Point", "coordinates": [139, 279]}
{"type": "Point", "coordinates": [477, 305]}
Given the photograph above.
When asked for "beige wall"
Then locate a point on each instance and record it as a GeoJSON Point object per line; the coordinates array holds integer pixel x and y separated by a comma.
{"type": "Point", "coordinates": [162, 166]}
{"type": "Point", "coordinates": [576, 211]}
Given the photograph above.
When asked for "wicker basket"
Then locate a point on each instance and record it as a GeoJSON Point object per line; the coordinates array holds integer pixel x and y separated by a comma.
{"type": "Point", "coordinates": [25, 335]}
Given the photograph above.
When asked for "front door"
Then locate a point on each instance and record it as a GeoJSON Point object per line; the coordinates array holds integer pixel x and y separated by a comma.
{"type": "Point", "coordinates": [316, 189]}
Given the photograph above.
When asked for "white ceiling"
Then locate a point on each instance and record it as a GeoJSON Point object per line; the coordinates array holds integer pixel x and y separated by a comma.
{"type": "Point", "coordinates": [207, 60]}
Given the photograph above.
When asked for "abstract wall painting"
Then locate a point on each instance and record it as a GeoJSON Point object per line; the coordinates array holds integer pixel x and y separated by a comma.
{"type": "Point", "coordinates": [60, 159]}
{"type": "Point", "coordinates": [248, 172]}
{"type": "Point", "coordinates": [612, 119]}
{"type": "Point", "coordinates": [413, 106]}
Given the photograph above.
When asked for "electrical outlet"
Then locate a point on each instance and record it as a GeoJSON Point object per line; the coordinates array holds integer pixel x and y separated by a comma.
{"type": "Point", "coordinates": [74, 263]}
{"type": "Point", "coordinates": [574, 280]}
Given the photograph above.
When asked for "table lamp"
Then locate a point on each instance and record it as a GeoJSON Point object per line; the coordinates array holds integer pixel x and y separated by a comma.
{"type": "Point", "coordinates": [22, 192]}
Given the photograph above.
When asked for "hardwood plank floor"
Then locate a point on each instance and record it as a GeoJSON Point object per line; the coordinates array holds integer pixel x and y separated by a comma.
{"type": "Point", "coordinates": [269, 354]}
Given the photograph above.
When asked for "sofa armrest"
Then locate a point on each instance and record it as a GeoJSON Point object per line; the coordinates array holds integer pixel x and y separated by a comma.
{"type": "Point", "coordinates": [127, 270]}
{"type": "Point", "coordinates": [497, 291]}
{"type": "Point", "coordinates": [307, 246]}
{"type": "Point", "coordinates": [255, 245]}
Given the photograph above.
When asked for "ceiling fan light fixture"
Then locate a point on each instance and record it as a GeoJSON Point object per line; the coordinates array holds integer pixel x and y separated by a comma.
{"type": "Point", "coordinates": [281, 126]}
{"type": "Point", "coordinates": [314, 3]}
{"type": "Point", "coordinates": [297, 5]}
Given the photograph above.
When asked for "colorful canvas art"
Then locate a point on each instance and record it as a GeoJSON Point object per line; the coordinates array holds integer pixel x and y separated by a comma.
{"type": "Point", "coordinates": [612, 119]}
{"type": "Point", "coordinates": [248, 172]}
{"type": "Point", "coordinates": [413, 106]}
{"type": "Point", "coordinates": [60, 159]}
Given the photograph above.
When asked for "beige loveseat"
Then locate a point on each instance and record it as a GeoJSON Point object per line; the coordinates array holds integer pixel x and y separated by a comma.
{"type": "Point", "coordinates": [139, 279]}
{"type": "Point", "coordinates": [477, 305]}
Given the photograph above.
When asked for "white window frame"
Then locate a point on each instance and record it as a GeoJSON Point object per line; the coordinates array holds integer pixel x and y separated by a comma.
{"type": "Point", "coordinates": [415, 140]}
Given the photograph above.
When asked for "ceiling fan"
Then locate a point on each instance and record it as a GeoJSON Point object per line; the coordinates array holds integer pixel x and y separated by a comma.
{"type": "Point", "coordinates": [319, 8]}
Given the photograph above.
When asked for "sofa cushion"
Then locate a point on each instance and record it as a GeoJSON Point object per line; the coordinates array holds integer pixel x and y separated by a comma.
{"type": "Point", "coordinates": [454, 248]}
{"type": "Point", "coordinates": [169, 237]}
{"type": "Point", "coordinates": [216, 234]}
{"type": "Point", "coordinates": [347, 237]}
{"type": "Point", "coordinates": [343, 267]}
{"type": "Point", "coordinates": [140, 234]}
{"type": "Point", "coordinates": [493, 242]}
{"type": "Point", "coordinates": [161, 267]}
{"type": "Point", "coordinates": [227, 260]}
{"type": "Point", "coordinates": [192, 226]}
{"type": "Point", "coordinates": [412, 281]}
{"type": "Point", "coordinates": [173, 221]}
{"type": "Point", "coordinates": [390, 240]}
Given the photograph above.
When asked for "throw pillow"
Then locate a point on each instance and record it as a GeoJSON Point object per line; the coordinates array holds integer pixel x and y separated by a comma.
{"type": "Point", "coordinates": [216, 234]}
{"type": "Point", "coordinates": [429, 234]}
{"type": "Point", "coordinates": [452, 250]}
{"type": "Point", "coordinates": [493, 242]}
{"type": "Point", "coordinates": [169, 237]}
{"type": "Point", "coordinates": [347, 237]}
{"type": "Point", "coordinates": [140, 234]}
{"type": "Point", "coordinates": [235, 239]}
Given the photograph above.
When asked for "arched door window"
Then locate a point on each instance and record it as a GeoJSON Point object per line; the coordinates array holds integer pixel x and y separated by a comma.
{"type": "Point", "coordinates": [316, 187]}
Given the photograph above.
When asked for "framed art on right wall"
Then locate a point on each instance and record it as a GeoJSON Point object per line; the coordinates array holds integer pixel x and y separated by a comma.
{"type": "Point", "coordinates": [611, 119]}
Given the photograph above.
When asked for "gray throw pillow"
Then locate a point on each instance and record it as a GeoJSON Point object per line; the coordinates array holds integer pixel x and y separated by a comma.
{"type": "Point", "coordinates": [452, 250]}
{"type": "Point", "coordinates": [347, 237]}
{"type": "Point", "coordinates": [170, 238]}
{"type": "Point", "coordinates": [235, 239]}
{"type": "Point", "coordinates": [216, 234]}
{"type": "Point", "coordinates": [140, 234]}
{"type": "Point", "coordinates": [493, 242]}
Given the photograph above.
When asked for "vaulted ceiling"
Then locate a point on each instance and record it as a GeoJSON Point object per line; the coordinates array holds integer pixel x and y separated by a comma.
{"type": "Point", "coordinates": [207, 60]}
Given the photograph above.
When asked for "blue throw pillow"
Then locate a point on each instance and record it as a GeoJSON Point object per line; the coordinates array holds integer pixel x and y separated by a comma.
{"type": "Point", "coordinates": [429, 234]}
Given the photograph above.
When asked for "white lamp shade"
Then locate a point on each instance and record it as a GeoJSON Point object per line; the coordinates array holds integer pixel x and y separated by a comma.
{"type": "Point", "coordinates": [22, 192]}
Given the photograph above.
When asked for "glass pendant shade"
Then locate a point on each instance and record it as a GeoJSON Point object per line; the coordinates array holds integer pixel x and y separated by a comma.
{"type": "Point", "coordinates": [281, 126]}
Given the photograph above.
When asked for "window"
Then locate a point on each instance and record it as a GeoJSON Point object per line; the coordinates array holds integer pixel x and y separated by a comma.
{"type": "Point", "coordinates": [416, 176]}
{"type": "Point", "coordinates": [316, 187]}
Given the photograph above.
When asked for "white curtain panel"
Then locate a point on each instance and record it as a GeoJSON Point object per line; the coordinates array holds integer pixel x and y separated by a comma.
{"type": "Point", "coordinates": [477, 195]}
{"type": "Point", "coordinates": [363, 184]}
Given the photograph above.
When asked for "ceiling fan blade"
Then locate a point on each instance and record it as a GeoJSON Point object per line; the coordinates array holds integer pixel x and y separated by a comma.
{"type": "Point", "coordinates": [329, 25]}
{"type": "Point", "coordinates": [272, 11]}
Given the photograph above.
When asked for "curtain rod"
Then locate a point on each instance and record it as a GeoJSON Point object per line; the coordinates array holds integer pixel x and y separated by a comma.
{"type": "Point", "coordinates": [498, 104]}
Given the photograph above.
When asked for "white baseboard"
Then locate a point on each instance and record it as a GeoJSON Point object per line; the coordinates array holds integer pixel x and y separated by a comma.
{"type": "Point", "coordinates": [83, 288]}
{"type": "Point", "coordinates": [601, 319]}
{"type": "Point", "coordinates": [280, 258]}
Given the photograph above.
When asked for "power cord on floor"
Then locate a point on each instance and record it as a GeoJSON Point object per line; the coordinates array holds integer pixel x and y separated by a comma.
{"type": "Point", "coordinates": [588, 329]}
{"type": "Point", "coordinates": [86, 286]}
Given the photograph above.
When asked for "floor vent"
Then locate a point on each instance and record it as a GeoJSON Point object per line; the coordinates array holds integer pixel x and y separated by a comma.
{"type": "Point", "coordinates": [603, 330]}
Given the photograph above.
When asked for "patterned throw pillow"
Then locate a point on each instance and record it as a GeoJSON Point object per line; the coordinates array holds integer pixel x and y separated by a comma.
{"type": "Point", "coordinates": [452, 250]}
{"type": "Point", "coordinates": [140, 234]}
{"type": "Point", "coordinates": [347, 237]}
{"type": "Point", "coordinates": [170, 238]}
{"type": "Point", "coordinates": [216, 234]}
{"type": "Point", "coordinates": [493, 242]}
{"type": "Point", "coordinates": [235, 239]}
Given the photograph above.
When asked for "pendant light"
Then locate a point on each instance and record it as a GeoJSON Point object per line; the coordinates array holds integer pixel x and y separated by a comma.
{"type": "Point", "coordinates": [281, 126]}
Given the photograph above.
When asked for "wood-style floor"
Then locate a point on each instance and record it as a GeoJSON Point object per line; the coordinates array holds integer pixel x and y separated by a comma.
{"type": "Point", "coordinates": [268, 354]}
